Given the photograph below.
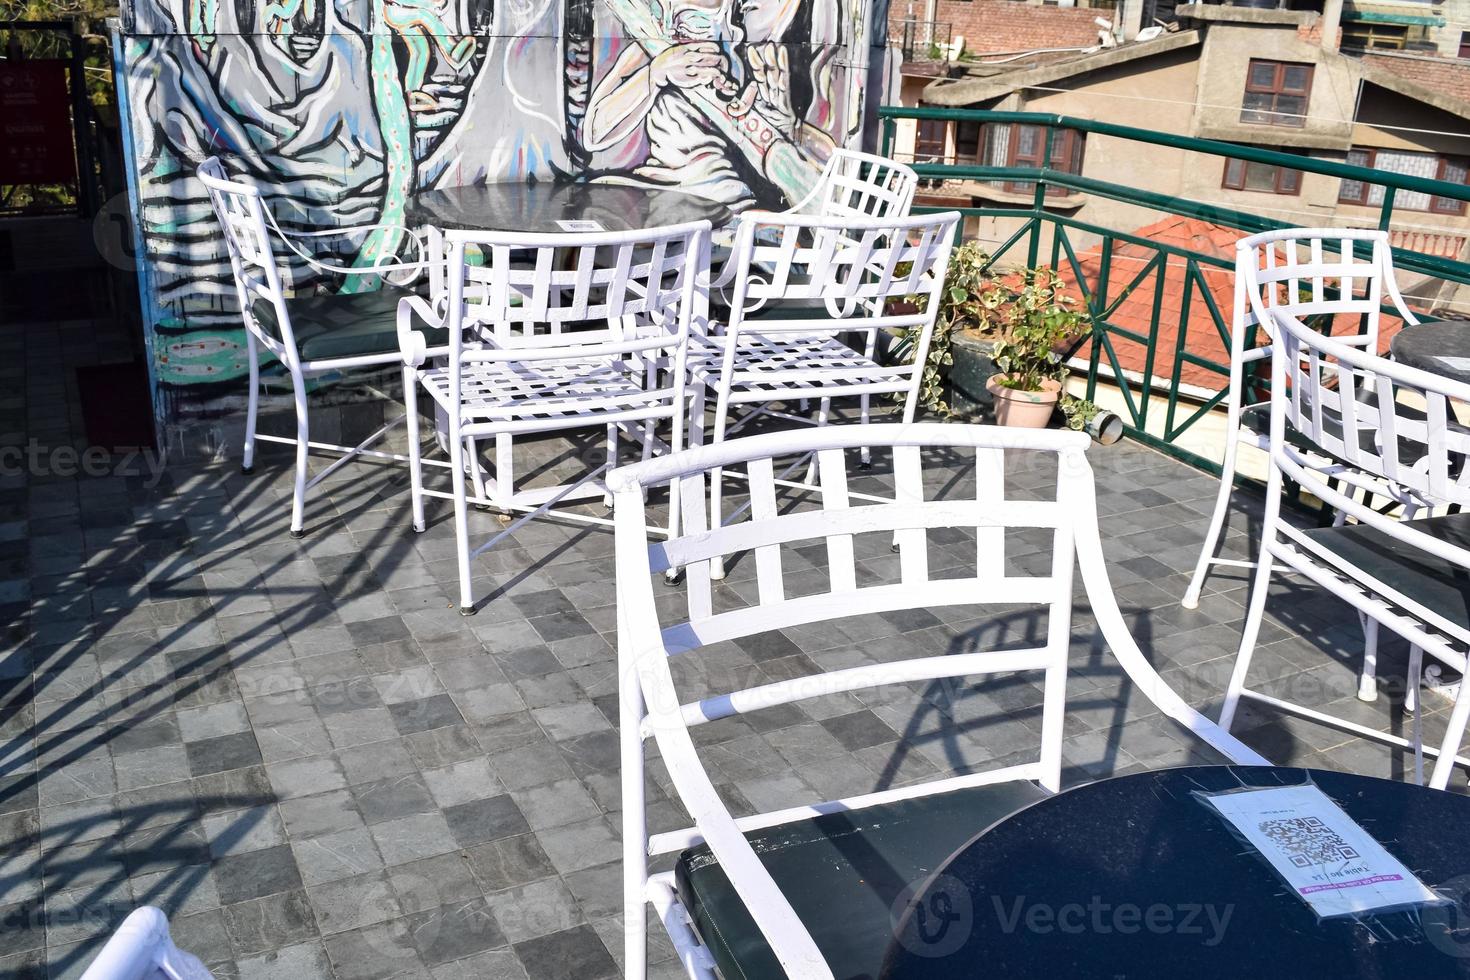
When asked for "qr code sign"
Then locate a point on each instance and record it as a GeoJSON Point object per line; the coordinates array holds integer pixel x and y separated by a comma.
{"type": "Point", "coordinates": [1307, 841]}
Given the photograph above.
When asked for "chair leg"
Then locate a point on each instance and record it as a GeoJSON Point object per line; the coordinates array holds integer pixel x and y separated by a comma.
{"type": "Point", "coordinates": [1415, 678]}
{"type": "Point", "coordinates": [716, 493]}
{"type": "Point", "coordinates": [1411, 704]}
{"type": "Point", "coordinates": [415, 450]}
{"type": "Point", "coordinates": [1449, 747]}
{"type": "Point", "coordinates": [477, 472]}
{"type": "Point", "coordinates": [247, 464]}
{"type": "Point", "coordinates": [1368, 678]}
{"type": "Point", "coordinates": [1253, 616]}
{"type": "Point", "coordinates": [303, 436]}
{"type": "Point", "coordinates": [865, 454]}
{"type": "Point", "coordinates": [461, 522]}
{"type": "Point", "coordinates": [1217, 523]}
{"type": "Point", "coordinates": [635, 833]}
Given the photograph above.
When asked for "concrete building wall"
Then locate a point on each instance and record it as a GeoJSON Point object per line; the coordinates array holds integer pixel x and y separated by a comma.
{"type": "Point", "coordinates": [1224, 61]}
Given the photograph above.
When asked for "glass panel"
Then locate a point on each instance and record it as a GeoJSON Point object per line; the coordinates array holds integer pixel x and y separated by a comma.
{"type": "Point", "coordinates": [1454, 171]}
{"type": "Point", "coordinates": [1296, 79]}
{"type": "Point", "coordinates": [1350, 190]}
{"type": "Point", "coordinates": [1291, 181]}
{"type": "Point", "coordinates": [1263, 74]}
{"type": "Point", "coordinates": [1291, 109]}
{"type": "Point", "coordinates": [1256, 107]}
{"type": "Point", "coordinates": [1233, 170]}
{"type": "Point", "coordinates": [1260, 177]}
{"type": "Point", "coordinates": [1411, 164]}
{"type": "Point", "coordinates": [1028, 139]}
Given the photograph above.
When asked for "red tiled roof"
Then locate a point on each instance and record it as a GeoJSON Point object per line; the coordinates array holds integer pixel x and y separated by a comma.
{"type": "Point", "coordinates": [1445, 76]}
{"type": "Point", "coordinates": [1202, 336]}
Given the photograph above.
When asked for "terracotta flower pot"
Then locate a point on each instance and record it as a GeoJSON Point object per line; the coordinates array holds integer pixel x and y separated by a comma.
{"type": "Point", "coordinates": [1026, 409]}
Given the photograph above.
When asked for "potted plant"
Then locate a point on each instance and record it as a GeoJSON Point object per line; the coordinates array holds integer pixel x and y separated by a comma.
{"type": "Point", "coordinates": [1035, 318]}
{"type": "Point", "coordinates": [1023, 316]}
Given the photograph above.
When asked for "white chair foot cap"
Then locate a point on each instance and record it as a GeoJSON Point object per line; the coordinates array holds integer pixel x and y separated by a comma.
{"type": "Point", "coordinates": [298, 534]}
{"type": "Point", "coordinates": [467, 610]}
{"type": "Point", "coordinates": [419, 529]}
{"type": "Point", "coordinates": [1190, 602]}
{"type": "Point", "coordinates": [1367, 689]}
{"type": "Point", "coordinates": [673, 577]}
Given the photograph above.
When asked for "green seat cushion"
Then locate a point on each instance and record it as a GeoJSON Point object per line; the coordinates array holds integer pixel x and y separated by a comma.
{"type": "Point", "coordinates": [345, 324]}
{"type": "Point", "coordinates": [842, 873]}
{"type": "Point", "coordinates": [1440, 586]}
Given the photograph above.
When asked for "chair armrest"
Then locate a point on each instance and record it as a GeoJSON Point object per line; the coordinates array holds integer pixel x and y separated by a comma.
{"type": "Point", "coordinates": [412, 343]}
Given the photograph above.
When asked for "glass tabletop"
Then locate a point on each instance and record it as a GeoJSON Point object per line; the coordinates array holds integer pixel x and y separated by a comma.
{"type": "Point", "coordinates": [544, 207]}
{"type": "Point", "coordinates": [1137, 877]}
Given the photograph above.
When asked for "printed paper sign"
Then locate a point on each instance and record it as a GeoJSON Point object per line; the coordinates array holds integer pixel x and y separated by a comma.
{"type": "Point", "coordinates": [584, 224]}
{"type": "Point", "coordinates": [1455, 363]}
{"type": "Point", "coordinates": [1332, 863]}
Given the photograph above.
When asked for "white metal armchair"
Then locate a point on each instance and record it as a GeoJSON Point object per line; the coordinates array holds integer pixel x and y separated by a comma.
{"type": "Point", "coordinates": [1290, 271]}
{"type": "Point", "coordinates": [309, 335]}
{"type": "Point", "coordinates": [808, 891]}
{"type": "Point", "coordinates": [1383, 422]}
{"type": "Point", "coordinates": [596, 341]}
{"type": "Point", "coordinates": [860, 185]}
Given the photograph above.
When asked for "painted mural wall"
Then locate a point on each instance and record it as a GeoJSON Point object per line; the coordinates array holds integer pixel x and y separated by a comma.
{"type": "Point", "coordinates": [344, 109]}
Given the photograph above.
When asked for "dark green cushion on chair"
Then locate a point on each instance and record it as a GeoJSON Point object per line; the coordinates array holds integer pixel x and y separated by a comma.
{"type": "Point", "coordinates": [842, 873]}
{"type": "Point", "coordinates": [1440, 586]}
{"type": "Point", "coordinates": [344, 325]}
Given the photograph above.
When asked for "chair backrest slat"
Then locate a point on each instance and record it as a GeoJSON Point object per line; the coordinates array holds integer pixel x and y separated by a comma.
{"type": "Point", "coordinates": [841, 567]}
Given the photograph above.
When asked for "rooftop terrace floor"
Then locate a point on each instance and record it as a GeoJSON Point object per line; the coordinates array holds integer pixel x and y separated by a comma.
{"type": "Point", "coordinates": [307, 758]}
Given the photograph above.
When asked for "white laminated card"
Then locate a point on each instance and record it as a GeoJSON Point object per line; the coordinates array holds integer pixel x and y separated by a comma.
{"type": "Point", "coordinates": [1331, 862]}
{"type": "Point", "coordinates": [580, 224]}
{"type": "Point", "coordinates": [1455, 363]}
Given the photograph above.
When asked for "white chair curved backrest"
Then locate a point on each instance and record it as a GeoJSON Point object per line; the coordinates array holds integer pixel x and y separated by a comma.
{"type": "Point", "coordinates": [141, 949]}
{"type": "Point", "coordinates": [1305, 272]}
{"type": "Point", "coordinates": [652, 706]}
{"type": "Point", "coordinates": [624, 296]}
{"type": "Point", "coordinates": [1298, 272]}
{"type": "Point", "coordinates": [1387, 421]}
{"type": "Point", "coordinates": [858, 270]}
{"type": "Point", "coordinates": [242, 219]}
{"type": "Point", "coordinates": [860, 185]}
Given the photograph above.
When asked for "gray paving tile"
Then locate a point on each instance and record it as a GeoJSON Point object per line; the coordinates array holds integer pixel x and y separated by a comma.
{"type": "Point", "coordinates": [241, 877]}
{"type": "Point", "coordinates": [570, 955]}
{"type": "Point", "coordinates": [413, 837]}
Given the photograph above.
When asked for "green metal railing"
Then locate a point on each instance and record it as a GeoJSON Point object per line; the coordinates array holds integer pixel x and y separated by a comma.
{"type": "Point", "coordinates": [1105, 291]}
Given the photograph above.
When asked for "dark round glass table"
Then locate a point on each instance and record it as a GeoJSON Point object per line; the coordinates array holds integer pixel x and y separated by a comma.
{"type": "Point", "coordinates": [545, 206]}
{"type": "Point", "coordinates": [1442, 347]}
{"type": "Point", "coordinates": [1137, 878]}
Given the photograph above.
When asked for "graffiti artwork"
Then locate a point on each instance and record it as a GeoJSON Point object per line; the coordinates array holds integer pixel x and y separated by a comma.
{"type": "Point", "coordinates": [343, 109]}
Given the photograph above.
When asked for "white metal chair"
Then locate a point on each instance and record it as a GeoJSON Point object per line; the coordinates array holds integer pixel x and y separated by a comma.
{"type": "Point", "coordinates": [1384, 422]}
{"type": "Point", "coordinates": [309, 335]}
{"type": "Point", "coordinates": [860, 185]}
{"type": "Point", "coordinates": [141, 949]}
{"type": "Point", "coordinates": [811, 298]}
{"type": "Point", "coordinates": [808, 890]}
{"type": "Point", "coordinates": [578, 331]}
{"type": "Point", "coordinates": [1291, 271]}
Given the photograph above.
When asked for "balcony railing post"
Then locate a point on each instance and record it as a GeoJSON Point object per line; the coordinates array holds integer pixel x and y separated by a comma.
{"type": "Point", "coordinates": [1038, 201]}
{"type": "Point", "coordinates": [1385, 213]}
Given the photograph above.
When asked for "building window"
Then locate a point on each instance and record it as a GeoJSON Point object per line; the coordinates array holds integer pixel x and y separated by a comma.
{"type": "Point", "coordinates": [1023, 145]}
{"type": "Point", "coordinates": [1456, 170]}
{"type": "Point", "coordinates": [1276, 93]}
{"type": "Point", "coordinates": [931, 141]}
{"type": "Point", "coordinates": [1364, 36]}
{"type": "Point", "coordinates": [1243, 175]}
{"type": "Point", "coordinates": [1465, 44]}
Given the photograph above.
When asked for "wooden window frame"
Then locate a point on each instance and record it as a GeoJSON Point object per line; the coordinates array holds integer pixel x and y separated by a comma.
{"type": "Point", "coordinates": [1068, 149]}
{"type": "Point", "coordinates": [1279, 182]}
{"type": "Point", "coordinates": [1276, 89]}
{"type": "Point", "coordinates": [1442, 161]}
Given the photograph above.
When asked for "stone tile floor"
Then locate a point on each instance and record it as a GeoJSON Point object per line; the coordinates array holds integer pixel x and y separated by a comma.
{"type": "Point", "coordinates": [307, 758]}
